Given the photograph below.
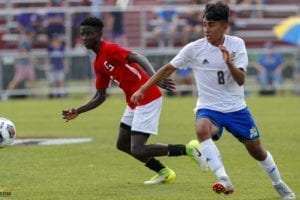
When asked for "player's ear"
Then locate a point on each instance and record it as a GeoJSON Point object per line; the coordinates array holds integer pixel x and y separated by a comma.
{"type": "Point", "coordinates": [225, 26]}
{"type": "Point", "coordinates": [100, 33]}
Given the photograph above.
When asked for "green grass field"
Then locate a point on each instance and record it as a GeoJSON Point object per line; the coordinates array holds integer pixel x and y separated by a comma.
{"type": "Point", "coordinates": [97, 170]}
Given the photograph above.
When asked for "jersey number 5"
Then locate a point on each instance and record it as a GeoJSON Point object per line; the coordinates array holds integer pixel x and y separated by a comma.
{"type": "Point", "coordinates": [221, 78]}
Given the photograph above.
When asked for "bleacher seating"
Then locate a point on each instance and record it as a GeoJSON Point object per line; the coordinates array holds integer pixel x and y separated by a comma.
{"type": "Point", "coordinates": [137, 22]}
{"type": "Point", "coordinates": [256, 30]}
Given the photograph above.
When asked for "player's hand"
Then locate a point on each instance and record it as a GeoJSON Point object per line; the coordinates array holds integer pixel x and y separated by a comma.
{"type": "Point", "coordinates": [137, 96]}
{"type": "Point", "coordinates": [69, 114]}
{"type": "Point", "coordinates": [168, 84]}
{"type": "Point", "coordinates": [225, 54]}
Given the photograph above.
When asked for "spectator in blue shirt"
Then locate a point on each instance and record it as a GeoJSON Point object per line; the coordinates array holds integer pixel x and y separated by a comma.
{"type": "Point", "coordinates": [270, 66]}
{"type": "Point", "coordinates": [29, 22]}
{"type": "Point", "coordinates": [166, 26]}
{"type": "Point", "coordinates": [55, 21]}
{"type": "Point", "coordinates": [57, 67]}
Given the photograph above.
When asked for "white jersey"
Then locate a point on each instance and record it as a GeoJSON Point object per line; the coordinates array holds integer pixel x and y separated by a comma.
{"type": "Point", "coordinates": [215, 86]}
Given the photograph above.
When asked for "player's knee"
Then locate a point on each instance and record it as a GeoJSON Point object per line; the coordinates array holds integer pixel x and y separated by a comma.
{"type": "Point", "coordinates": [138, 152]}
{"type": "Point", "coordinates": [119, 146]}
{"type": "Point", "coordinates": [205, 129]}
{"type": "Point", "coordinates": [122, 146]}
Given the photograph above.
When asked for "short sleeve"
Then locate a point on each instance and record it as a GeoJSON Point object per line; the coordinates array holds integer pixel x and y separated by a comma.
{"type": "Point", "coordinates": [241, 60]}
{"type": "Point", "coordinates": [183, 58]}
{"type": "Point", "coordinates": [117, 55]}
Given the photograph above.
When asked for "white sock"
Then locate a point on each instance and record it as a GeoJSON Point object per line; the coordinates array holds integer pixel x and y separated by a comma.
{"type": "Point", "coordinates": [271, 169]}
{"type": "Point", "coordinates": [213, 158]}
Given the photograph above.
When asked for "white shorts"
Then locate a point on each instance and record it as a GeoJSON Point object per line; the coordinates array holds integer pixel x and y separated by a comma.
{"type": "Point", "coordinates": [144, 118]}
{"type": "Point", "coordinates": [56, 76]}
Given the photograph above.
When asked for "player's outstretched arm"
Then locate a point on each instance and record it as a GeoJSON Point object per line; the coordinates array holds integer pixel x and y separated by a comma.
{"type": "Point", "coordinates": [142, 61]}
{"type": "Point", "coordinates": [98, 99]}
{"type": "Point", "coordinates": [166, 83]}
{"type": "Point", "coordinates": [161, 74]}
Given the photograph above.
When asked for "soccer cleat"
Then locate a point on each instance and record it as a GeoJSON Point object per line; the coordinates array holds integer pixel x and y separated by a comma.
{"type": "Point", "coordinates": [224, 185]}
{"type": "Point", "coordinates": [284, 191]}
{"type": "Point", "coordinates": [192, 150]}
{"type": "Point", "coordinates": [165, 175]}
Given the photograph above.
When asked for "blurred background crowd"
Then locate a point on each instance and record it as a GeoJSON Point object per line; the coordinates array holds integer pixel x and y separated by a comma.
{"type": "Point", "coordinates": [41, 51]}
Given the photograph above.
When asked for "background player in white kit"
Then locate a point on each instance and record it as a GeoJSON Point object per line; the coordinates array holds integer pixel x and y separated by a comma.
{"type": "Point", "coordinates": [219, 65]}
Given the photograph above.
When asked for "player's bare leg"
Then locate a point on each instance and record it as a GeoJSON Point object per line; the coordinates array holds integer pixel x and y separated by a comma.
{"type": "Point", "coordinates": [124, 140]}
{"type": "Point", "coordinates": [135, 145]}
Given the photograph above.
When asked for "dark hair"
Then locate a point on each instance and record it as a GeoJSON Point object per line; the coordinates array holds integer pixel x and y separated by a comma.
{"type": "Point", "coordinates": [216, 11]}
{"type": "Point", "coordinates": [93, 21]}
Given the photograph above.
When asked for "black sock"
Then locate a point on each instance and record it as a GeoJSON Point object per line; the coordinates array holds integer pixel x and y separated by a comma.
{"type": "Point", "coordinates": [154, 165]}
{"type": "Point", "coordinates": [176, 150]}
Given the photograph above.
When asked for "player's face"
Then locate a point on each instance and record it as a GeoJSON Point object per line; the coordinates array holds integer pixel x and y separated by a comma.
{"type": "Point", "coordinates": [90, 37]}
{"type": "Point", "coordinates": [214, 31]}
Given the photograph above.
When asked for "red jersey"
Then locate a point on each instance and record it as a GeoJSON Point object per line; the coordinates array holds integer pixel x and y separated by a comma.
{"type": "Point", "coordinates": [111, 64]}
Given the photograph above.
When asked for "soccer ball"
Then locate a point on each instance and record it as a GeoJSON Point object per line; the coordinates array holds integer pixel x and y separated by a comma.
{"type": "Point", "coordinates": [7, 132]}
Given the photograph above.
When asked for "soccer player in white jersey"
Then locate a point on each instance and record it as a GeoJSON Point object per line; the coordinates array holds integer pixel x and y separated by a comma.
{"type": "Point", "coordinates": [219, 64]}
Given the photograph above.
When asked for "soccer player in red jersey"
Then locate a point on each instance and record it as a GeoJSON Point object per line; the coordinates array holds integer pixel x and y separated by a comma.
{"type": "Point", "coordinates": [130, 70]}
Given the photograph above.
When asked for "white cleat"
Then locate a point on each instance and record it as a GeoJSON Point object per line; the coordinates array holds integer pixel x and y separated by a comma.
{"type": "Point", "coordinates": [284, 191]}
